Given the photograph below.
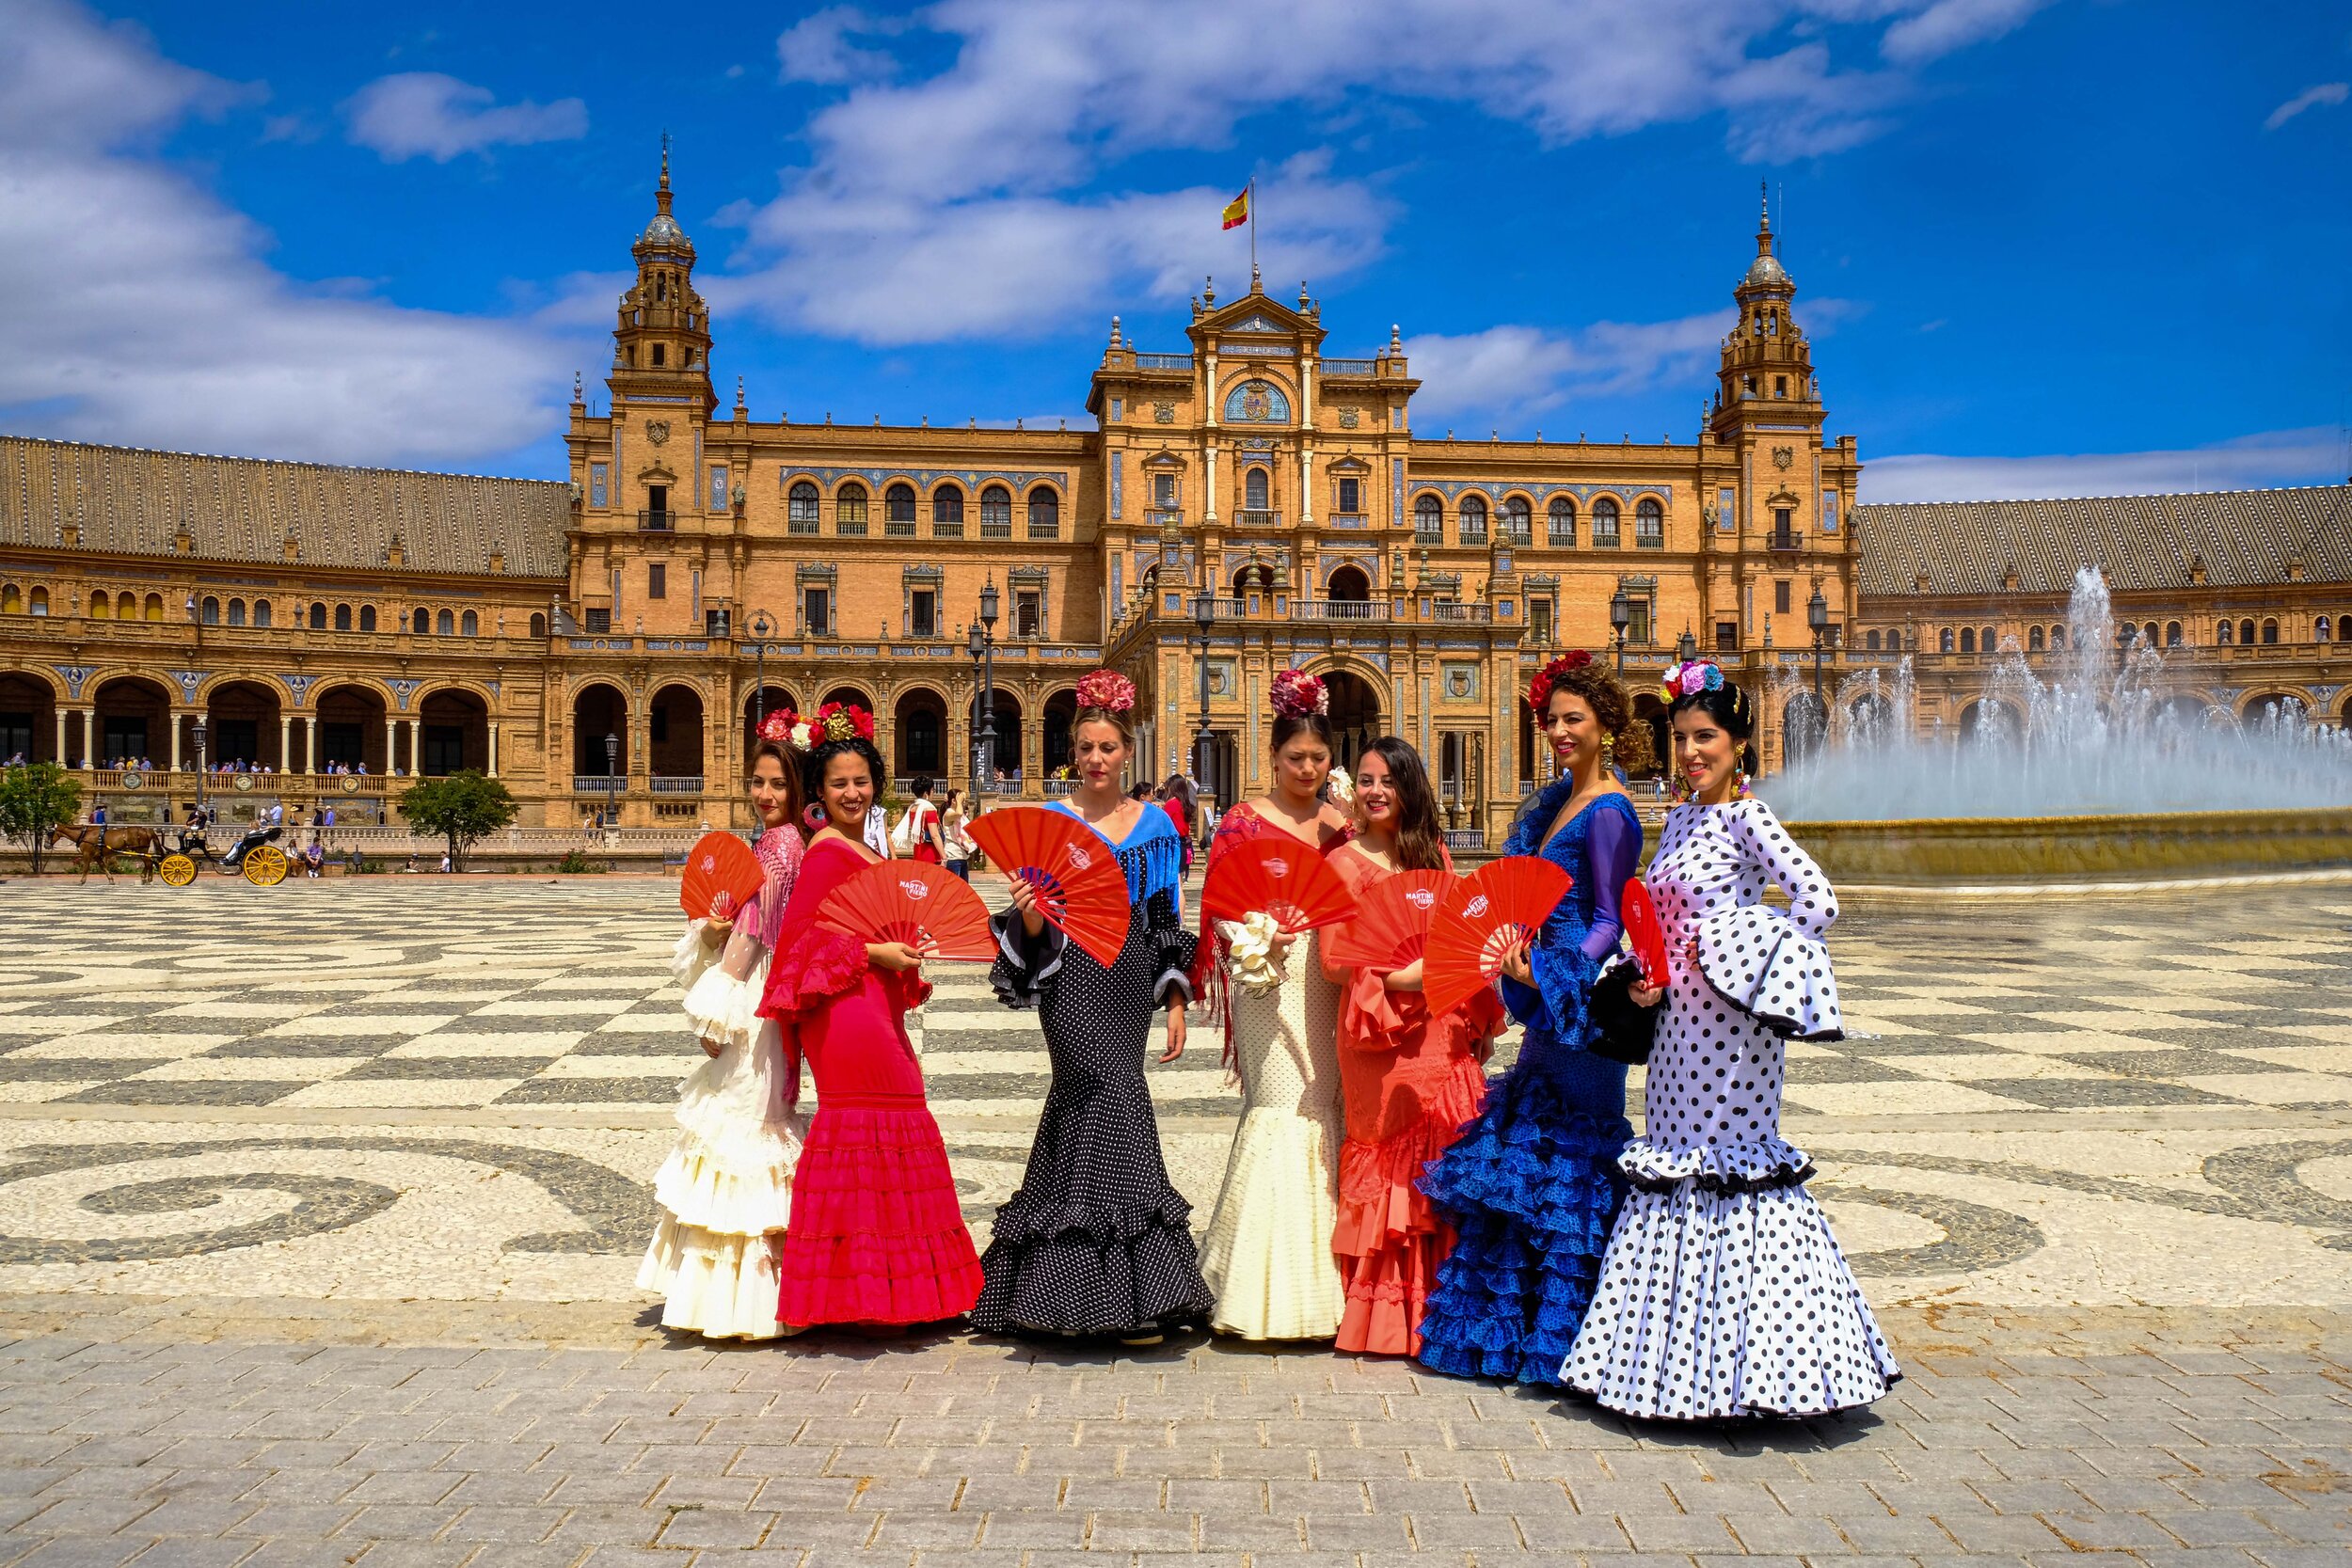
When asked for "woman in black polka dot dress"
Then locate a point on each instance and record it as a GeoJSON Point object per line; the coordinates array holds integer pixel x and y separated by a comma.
{"type": "Point", "coordinates": [1722, 1292]}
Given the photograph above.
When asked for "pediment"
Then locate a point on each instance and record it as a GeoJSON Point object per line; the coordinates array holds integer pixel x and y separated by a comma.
{"type": "Point", "coordinates": [1163, 460]}
{"type": "Point", "coordinates": [1350, 466]}
{"type": "Point", "coordinates": [658, 473]}
{"type": "Point", "coordinates": [1257, 315]}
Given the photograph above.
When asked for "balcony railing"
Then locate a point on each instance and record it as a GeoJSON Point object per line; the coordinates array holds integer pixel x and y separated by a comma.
{"type": "Point", "coordinates": [1559, 538]}
{"type": "Point", "coordinates": [991, 528]}
{"type": "Point", "coordinates": [1163, 361]}
{"type": "Point", "coordinates": [1061, 786]}
{"type": "Point", "coordinates": [1466, 838]}
{"type": "Point", "coordinates": [676, 784]}
{"type": "Point", "coordinates": [1476, 615]}
{"type": "Point", "coordinates": [1339, 610]}
{"type": "Point", "coordinates": [1219, 610]}
{"type": "Point", "coordinates": [899, 528]}
{"type": "Point", "coordinates": [599, 784]}
{"type": "Point", "coordinates": [802, 525]}
{"type": "Point", "coordinates": [1349, 367]}
{"type": "Point", "coordinates": [657, 522]}
{"type": "Point", "coordinates": [1249, 518]}
{"type": "Point", "coordinates": [1785, 539]}
{"type": "Point", "coordinates": [1428, 536]}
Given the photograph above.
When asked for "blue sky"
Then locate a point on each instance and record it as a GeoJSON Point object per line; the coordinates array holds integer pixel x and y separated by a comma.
{"type": "Point", "coordinates": [2044, 247]}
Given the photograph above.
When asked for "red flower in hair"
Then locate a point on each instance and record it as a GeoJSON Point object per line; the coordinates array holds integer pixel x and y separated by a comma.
{"type": "Point", "coordinates": [1539, 690]}
{"type": "Point", "coordinates": [1297, 694]}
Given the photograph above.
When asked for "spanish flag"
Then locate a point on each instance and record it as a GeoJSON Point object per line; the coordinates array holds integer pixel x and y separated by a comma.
{"type": "Point", "coordinates": [1237, 210]}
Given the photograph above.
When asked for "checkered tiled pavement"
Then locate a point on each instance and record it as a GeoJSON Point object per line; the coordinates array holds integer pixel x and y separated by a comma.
{"type": "Point", "coordinates": [424, 992]}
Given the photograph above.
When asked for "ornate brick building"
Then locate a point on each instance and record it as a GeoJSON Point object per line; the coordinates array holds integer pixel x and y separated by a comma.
{"type": "Point", "coordinates": [1247, 502]}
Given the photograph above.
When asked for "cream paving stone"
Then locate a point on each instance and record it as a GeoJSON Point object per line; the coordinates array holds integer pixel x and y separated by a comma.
{"type": "Point", "coordinates": [216, 1008]}
{"type": "Point", "coordinates": [2306, 1058]}
{"type": "Point", "coordinates": [672, 1068]}
{"type": "Point", "coordinates": [57, 1024]}
{"type": "Point", "coordinates": [476, 1042]}
{"type": "Point", "coordinates": [2276, 1088]}
{"type": "Point", "coordinates": [2330, 1033]}
{"type": "Point", "coordinates": [2123, 1019]}
{"type": "Point", "coordinates": [328, 1025]}
{"type": "Point", "coordinates": [262, 1069]}
{"type": "Point", "coordinates": [1917, 1097]}
{"type": "Point", "coordinates": [1962, 1068]}
{"type": "Point", "coordinates": [2055, 1042]}
{"type": "Point", "coordinates": [40, 1091]}
{"type": "Point", "coordinates": [113, 1046]}
{"type": "Point", "coordinates": [396, 1093]}
{"type": "Point", "coordinates": [555, 1006]}
{"type": "Point", "coordinates": [644, 1023]}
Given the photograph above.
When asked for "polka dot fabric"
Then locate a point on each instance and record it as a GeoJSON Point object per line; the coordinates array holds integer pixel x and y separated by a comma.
{"type": "Point", "coordinates": [1722, 1292]}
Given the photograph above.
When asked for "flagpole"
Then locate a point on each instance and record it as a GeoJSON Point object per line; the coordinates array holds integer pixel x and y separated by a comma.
{"type": "Point", "coordinates": [1252, 188]}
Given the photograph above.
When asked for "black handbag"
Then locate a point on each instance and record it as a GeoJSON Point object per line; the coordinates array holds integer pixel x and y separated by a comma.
{"type": "Point", "coordinates": [1627, 1029]}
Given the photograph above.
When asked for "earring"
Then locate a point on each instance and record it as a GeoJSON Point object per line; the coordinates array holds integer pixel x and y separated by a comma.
{"type": "Point", "coordinates": [814, 816]}
{"type": "Point", "coordinates": [1608, 751]}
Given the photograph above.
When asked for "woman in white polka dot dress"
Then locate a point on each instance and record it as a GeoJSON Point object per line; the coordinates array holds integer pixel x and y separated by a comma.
{"type": "Point", "coordinates": [1722, 1292]}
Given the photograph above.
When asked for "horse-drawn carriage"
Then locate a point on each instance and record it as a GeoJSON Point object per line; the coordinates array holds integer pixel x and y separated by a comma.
{"type": "Point", "coordinates": [255, 854]}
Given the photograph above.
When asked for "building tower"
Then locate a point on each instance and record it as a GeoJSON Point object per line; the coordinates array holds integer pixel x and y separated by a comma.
{"type": "Point", "coordinates": [1767, 374]}
{"type": "Point", "coordinates": [661, 341]}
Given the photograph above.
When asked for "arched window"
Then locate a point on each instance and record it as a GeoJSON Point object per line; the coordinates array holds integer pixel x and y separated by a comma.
{"type": "Point", "coordinates": [2270, 631]}
{"type": "Point", "coordinates": [154, 607]}
{"type": "Point", "coordinates": [367, 616]}
{"type": "Point", "coordinates": [2033, 639]}
{"type": "Point", "coordinates": [210, 612]}
{"type": "Point", "coordinates": [2148, 634]}
{"type": "Point", "coordinates": [260, 612]}
{"type": "Point", "coordinates": [2172, 634]}
{"type": "Point", "coordinates": [445, 623]}
{"type": "Point", "coordinates": [469, 624]}
{"type": "Point", "coordinates": [800, 507]}
{"type": "Point", "coordinates": [1649, 524]}
{"type": "Point", "coordinates": [2224, 634]}
{"type": "Point", "coordinates": [947, 508]}
{"type": "Point", "coordinates": [1253, 490]}
{"type": "Point", "coordinates": [1870, 641]}
{"type": "Point", "coordinates": [1429, 518]}
{"type": "Point", "coordinates": [1518, 520]}
{"type": "Point", "coordinates": [849, 509]}
{"type": "Point", "coordinates": [421, 624]}
{"type": "Point", "coordinates": [101, 608]}
{"type": "Point", "coordinates": [1967, 639]}
{"type": "Point", "coordinates": [2246, 633]}
{"type": "Point", "coordinates": [318, 617]}
{"type": "Point", "coordinates": [2057, 637]}
{"type": "Point", "coordinates": [1945, 644]}
{"type": "Point", "coordinates": [1560, 521]}
{"type": "Point", "coordinates": [1988, 640]}
{"type": "Point", "coordinates": [236, 612]}
{"type": "Point", "coordinates": [996, 512]}
{"type": "Point", "coordinates": [1044, 514]}
{"type": "Point", "coordinates": [11, 599]}
{"type": "Point", "coordinates": [2344, 628]}
{"type": "Point", "coordinates": [1473, 519]}
{"type": "Point", "coordinates": [899, 510]}
{"type": "Point", "coordinates": [127, 608]}
{"type": "Point", "coordinates": [37, 602]}
{"type": "Point", "coordinates": [1605, 522]}
{"type": "Point", "coordinates": [538, 626]}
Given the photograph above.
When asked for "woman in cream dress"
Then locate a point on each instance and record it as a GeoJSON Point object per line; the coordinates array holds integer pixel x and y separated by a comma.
{"type": "Point", "coordinates": [1267, 1254]}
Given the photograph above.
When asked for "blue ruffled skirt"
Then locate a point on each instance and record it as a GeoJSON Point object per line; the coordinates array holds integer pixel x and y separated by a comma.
{"type": "Point", "coordinates": [1533, 1188]}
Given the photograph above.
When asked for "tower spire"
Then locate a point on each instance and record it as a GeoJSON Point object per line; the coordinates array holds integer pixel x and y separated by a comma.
{"type": "Point", "coordinates": [1764, 218]}
{"type": "Point", "coordinates": [661, 191]}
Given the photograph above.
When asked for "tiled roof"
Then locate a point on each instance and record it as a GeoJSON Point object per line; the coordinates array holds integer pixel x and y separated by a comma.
{"type": "Point", "coordinates": [131, 502]}
{"type": "Point", "coordinates": [2142, 542]}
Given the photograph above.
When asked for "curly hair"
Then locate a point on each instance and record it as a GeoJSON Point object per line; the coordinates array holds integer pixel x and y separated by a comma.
{"type": "Point", "coordinates": [813, 766]}
{"type": "Point", "coordinates": [1600, 692]}
{"type": "Point", "coordinates": [1726, 704]}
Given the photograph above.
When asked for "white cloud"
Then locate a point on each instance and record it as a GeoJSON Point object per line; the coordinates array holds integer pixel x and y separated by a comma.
{"type": "Point", "coordinates": [425, 114]}
{"type": "Point", "coordinates": [1949, 25]}
{"type": "Point", "coordinates": [971, 200]}
{"type": "Point", "coordinates": [2312, 456]}
{"type": "Point", "coordinates": [142, 314]}
{"type": "Point", "coordinates": [2310, 98]}
{"type": "Point", "coordinates": [1515, 372]}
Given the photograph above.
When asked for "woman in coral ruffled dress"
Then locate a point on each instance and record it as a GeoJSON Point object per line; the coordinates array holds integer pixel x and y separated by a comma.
{"type": "Point", "coordinates": [1410, 1081]}
{"type": "Point", "coordinates": [726, 1189]}
{"type": "Point", "coordinates": [877, 1236]}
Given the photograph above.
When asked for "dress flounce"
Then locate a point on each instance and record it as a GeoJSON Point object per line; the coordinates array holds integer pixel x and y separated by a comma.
{"type": "Point", "coordinates": [1270, 1265]}
{"type": "Point", "coordinates": [809, 966]}
{"type": "Point", "coordinates": [1531, 1187]}
{"type": "Point", "coordinates": [877, 1232]}
{"type": "Point", "coordinates": [1390, 1238]}
{"type": "Point", "coordinates": [1761, 962]}
{"type": "Point", "coordinates": [1064, 1266]}
{"type": "Point", "coordinates": [722, 1287]}
{"type": "Point", "coordinates": [1716, 1167]}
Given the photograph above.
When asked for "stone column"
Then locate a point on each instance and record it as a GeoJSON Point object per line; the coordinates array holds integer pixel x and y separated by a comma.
{"type": "Point", "coordinates": [285, 743]}
{"type": "Point", "coordinates": [1306, 485]}
{"type": "Point", "coordinates": [61, 750]}
{"type": "Point", "coordinates": [88, 747]}
{"type": "Point", "coordinates": [1208, 481]}
{"type": "Point", "coordinates": [311, 743]}
{"type": "Point", "coordinates": [391, 746]}
{"type": "Point", "coordinates": [494, 749]}
{"type": "Point", "coordinates": [416, 748]}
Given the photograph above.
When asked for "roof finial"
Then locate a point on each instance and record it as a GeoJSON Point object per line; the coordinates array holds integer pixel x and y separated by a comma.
{"type": "Point", "coordinates": [1764, 218]}
{"type": "Point", "coordinates": [1396, 343]}
{"type": "Point", "coordinates": [575, 386]}
{"type": "Point", "coordinates": [661, 192]}
{"type": "Point", "coordinates": [1257, 285]}
{"type": "Point", "coordinates": [1208, 289]}
{"type": "Point", "coordinates": [1115, 342]}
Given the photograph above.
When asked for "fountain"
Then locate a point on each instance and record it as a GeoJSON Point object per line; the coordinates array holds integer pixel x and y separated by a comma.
{"type": "Point", "coordinates": [2097, 773]}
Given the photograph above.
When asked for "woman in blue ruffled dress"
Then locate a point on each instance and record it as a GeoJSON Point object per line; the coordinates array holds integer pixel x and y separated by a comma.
{"type": "Point", "coordinates": [1724, 1293]}
{"type": "Point", "coordinates": [1532, 1185]}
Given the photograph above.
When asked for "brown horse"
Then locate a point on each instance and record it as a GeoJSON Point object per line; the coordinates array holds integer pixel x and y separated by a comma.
{"type": "Point", "coordinates": [96, 845]}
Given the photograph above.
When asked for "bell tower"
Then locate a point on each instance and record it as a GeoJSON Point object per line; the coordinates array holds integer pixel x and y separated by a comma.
{"type": "Point", "coordinates": [661, 341]}
{"type": "Point", "coordinates": [1767, 374]}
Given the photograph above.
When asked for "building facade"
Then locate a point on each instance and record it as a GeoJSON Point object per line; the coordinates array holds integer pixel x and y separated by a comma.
{"type": "Point", "coordinates": [1248, 502]}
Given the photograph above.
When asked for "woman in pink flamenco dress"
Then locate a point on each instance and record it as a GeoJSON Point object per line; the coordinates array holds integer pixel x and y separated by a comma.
{"type": "Point", "coordinates": [877, 1235]}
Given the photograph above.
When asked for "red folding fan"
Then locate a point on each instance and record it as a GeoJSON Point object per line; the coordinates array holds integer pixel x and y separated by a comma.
{"type": "Point", "coordinates": [1079, 886]}
{"type": "Point", "coordinates": [1642, 928]}
{"type": "Point", "coordinates": [1390, 927]}
{"type": "Point", "coordinates": [719, 863]}
{"type": "Point", "coordinates": [1490, 912]}
{"type": "Point", "coordinates": [928, 908]}
{"type": "Point", "coordinates": [1280, 876]}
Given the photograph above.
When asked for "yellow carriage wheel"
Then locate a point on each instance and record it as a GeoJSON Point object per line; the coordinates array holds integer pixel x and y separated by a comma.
{"type": "Point", "coordinates": [177, 870]}
{"type": "Point", "coordinates": [265, 866]}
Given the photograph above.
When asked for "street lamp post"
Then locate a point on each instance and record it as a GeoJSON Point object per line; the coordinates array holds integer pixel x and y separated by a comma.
{"type": "Point", "coordinates": [1816, 616]}
{"type": "Point", "coordinates": [986, 639]}
{"type": "Point", "coordinates": [611, 780]}
{"type": "Point", "coordinates": [1203, 616]}
{"type": "Point", "coordinates": [1686, 647]}
{"type": "Point", "coordinates": [199, 770]}
{"type": "Point", "coordinates": [1620, 617]}
{"type": "Point", "coordinates": [761, 629]}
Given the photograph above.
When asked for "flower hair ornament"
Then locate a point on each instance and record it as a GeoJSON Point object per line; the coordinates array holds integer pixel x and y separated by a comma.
{"type": "Point", "coordinates": [1690, 677]}
{"type": "Point", "coordinates": [1108, 690]}
{"type": "Point", "coordinates": [787, 729]}
{"type": "Point", "coordinates": [1539, 690]}
{"type": "Point", "coordinates": [1297, 694]}
{"type": "Point", "coordinates": [840, 722]}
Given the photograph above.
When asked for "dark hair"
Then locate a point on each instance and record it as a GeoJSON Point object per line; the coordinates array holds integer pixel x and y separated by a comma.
{"type": "Point", "coordinates": [1180, 788]}
{"type": "Point", "coordinates": [1601, 693]}
{"type": "Point", "coordinates": [921, 786]}
{"type": "Point", "coordinates": [793, 795]}
{"type": "Point", "coordinates": [1288, 727]}
{"type": "Point", "coordinates": [1420, 839]}
{"type": "Point", "coordinates": [812, 769]}
{"type": "Point", "coordinates": [1728, 706]}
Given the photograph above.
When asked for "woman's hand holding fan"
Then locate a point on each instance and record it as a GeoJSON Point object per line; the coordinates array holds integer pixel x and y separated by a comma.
{"type": "Point", "coordinates": [1493, 910]}
{"type": "Point", "coordinates": [1073, 874]}
{"type": "Point", "coordinates": [1641, 928]}
{"type": "Point", "coordinates": [928, 908]}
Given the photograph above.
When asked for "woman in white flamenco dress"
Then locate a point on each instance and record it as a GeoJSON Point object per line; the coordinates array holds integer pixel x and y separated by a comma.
{"type": "Point", "coordinates": [725, 1191]}
{"type": "Point", "coordinates": [1722, 1292]}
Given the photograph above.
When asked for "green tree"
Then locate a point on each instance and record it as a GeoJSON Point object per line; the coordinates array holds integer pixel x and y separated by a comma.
{"type": "Point", "coordinates": [33, 798]}
{"type": "Point", "coordinates": [461, 807]}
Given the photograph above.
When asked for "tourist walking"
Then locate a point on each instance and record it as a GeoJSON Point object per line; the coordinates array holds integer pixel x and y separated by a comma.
{"type": "Point", "coordinates": [917, 835]}
{"type": "Point", "coordinates": [876, 1234]}
{"type": "Point", "coordinates": [1267, 1254]}
{"type": "Point", "coordinates": [1723, 1292]}
{"type": "Point", "coordinates": [1532, 1185]}
{"type": "Point", "coordinates": [725, 1191]}
{"type": "Point", "coordinates": [1096, 1241]}
{"type": "Point", "coordinates": [1409, 1083]}
{"type": "Point", "coordinates": [958, 842]}
{"type": "Point", "coordinates": [1178, 798]}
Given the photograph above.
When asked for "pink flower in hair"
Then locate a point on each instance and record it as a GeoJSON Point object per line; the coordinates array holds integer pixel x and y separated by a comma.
{"type": "Point", "coordinates": [1107, 689]}
{"type": "Point", "coordinates": [1297, 694]}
